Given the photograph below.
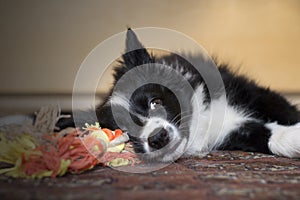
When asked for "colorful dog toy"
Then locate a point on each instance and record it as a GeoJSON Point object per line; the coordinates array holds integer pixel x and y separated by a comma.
{"type": "Point", "coordinates": [70, 150]}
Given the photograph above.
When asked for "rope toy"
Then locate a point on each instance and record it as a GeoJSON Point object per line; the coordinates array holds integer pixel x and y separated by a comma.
{"type": "Point", "coordinates": [32, 154]}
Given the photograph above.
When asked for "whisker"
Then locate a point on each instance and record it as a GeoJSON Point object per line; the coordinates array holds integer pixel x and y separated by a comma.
{"type": "Point", "coordinates": [180, 120]}
{"type": "Point", "coordinates": [176, 119]}
{"type": "Point", "coordinates": [182, 113]}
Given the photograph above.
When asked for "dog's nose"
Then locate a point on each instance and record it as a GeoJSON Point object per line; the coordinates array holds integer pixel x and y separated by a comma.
{"type": "Point", "coordinates": [159, 138]}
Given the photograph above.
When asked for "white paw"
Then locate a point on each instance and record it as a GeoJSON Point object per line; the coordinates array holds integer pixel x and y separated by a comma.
{"type": "Point", "coordinates": [285, 140]}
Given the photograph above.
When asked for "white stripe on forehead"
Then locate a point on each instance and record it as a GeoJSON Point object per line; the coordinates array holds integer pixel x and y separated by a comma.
{"type": "Point", "coordinates": [118, 99]}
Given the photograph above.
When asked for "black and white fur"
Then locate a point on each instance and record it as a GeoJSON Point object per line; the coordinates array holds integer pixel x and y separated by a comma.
{"type": "Point", "coordinates": [256, 118]}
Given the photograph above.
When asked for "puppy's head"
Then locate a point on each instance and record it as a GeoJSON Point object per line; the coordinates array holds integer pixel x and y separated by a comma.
{"type": "Point", "coordinates": [156, 109]}
{"type": "Point", "coordinates": [150, 101]}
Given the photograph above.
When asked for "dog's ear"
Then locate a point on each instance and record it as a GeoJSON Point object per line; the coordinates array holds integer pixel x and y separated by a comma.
{"type": "Point", "coordinates": [136, 53]}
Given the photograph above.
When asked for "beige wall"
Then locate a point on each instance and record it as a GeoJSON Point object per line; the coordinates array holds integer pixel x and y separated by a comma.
{"type": "Point", "coordinates": [43, 42]}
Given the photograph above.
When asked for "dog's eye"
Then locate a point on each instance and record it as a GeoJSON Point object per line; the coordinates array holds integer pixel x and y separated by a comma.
{"type": "Point", "coordinates": [155, 103]}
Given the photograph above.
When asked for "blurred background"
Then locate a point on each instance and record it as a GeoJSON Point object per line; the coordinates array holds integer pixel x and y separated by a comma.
{"type": "Point", "coordinates": [43, 42]}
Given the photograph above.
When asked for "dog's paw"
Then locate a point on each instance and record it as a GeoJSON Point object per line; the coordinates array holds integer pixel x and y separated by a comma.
{"type": "Point", "coordinates": [285, 140]}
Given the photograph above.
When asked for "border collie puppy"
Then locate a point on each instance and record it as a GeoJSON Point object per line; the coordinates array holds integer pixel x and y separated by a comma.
{"type": "Point", "coordinates": [165, 120]}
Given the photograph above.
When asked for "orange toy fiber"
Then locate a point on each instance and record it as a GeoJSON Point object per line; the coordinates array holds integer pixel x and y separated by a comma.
{"type": "Point", "coordinates": [59, 153]}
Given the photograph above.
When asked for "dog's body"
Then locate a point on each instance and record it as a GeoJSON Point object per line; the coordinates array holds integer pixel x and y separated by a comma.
{"type": "Point", "coordinates": [252, 118]}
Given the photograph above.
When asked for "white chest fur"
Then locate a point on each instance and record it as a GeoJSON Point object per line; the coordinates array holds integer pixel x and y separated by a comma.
{"type": "Point", "coordinates": [210, 124]}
